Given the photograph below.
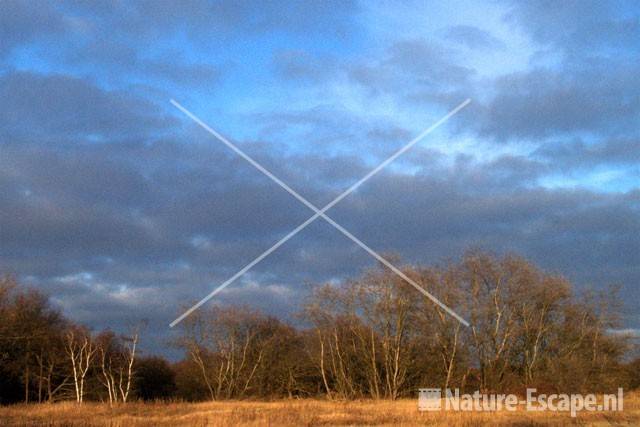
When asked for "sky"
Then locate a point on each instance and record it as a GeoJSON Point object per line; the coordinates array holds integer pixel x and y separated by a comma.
{"type": "Point", "coordinates": [123, 210]}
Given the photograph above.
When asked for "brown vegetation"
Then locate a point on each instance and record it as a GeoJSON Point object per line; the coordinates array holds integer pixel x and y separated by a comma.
{"type": "Point", "coordinates": [295, 412]}
{"type": "Point", "coordinates": [376, 337]}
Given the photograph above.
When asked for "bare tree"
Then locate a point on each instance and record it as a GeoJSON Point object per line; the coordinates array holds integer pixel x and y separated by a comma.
{"type": "Point", "coordinates": [80, 349]}
{"type": "Point", "coordinates": [126, 372]}
{"type": "Point", "coordinates": [117, 358]}
{"type": "Point", "coordinates": [385, 303]}
{"type": "Point", "coordinates": [229, 347]}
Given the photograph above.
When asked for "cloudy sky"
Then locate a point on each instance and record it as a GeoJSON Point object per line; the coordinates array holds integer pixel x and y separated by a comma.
{"type": "Point", "coordinates": [121, 208]}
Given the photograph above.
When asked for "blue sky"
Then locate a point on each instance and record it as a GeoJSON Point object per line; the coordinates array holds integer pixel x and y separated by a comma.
{"type": "Point", "coordinates": [121, 208]}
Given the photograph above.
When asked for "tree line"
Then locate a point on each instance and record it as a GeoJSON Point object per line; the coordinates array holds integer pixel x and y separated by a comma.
{"type": "Point", "coordinates": [45, 357]}
{"type": "Point", "coordinates": [370, 337]}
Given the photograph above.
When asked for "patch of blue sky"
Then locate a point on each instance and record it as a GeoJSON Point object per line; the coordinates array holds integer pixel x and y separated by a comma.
{"type": "Point", "coordinates": [604, 179]}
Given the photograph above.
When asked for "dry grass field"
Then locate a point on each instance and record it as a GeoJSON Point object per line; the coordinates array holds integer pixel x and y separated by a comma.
{"type": "Point", "coordinates": [294, 413]}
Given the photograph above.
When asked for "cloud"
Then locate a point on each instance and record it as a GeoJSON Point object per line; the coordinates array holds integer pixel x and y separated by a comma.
{"type": "Point", "coordinates": [301, 65]}
{"type": "Point", "coordinates": [201, 20]}
{"type": "Point", "coordinates": [473, 37]}
{"type": "Point", "coordinates": [578, 27]}
{"type": "Point", "coordinates": [599, 100]}
{"type": "Point", "coordinates": [413, 67]}
{"type": "Point", "coordinates": [120, 57]}
{"type": "Point", "coordinates": [580, 154]}
{"type": "Point", "coordinates": [21, 23]}
{"type": "Point", "coordinates": [57, 106]}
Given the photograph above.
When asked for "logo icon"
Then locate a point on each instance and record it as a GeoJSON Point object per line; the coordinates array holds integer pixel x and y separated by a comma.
{"type": "Point", "coordinates": [429, 399]}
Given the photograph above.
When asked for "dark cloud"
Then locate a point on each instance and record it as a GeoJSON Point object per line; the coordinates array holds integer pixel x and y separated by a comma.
{"type": "Point", "coordinates": [121, 58]}
{"type": "Point", "coordinates": [48, 106]}
{"type": "Point", "coordinates": [600, 100]}
{"type": "Point", "coordinates": [579, 154]}
{"type": "Point", "coordinates": [427, 61]}
{"type": "Point", "coordinates": [22, 22]}
{"type": "Point", "coordinates": [330, 134]}
{"type": "Point", "coordinates": [577, 27]}
{"type": "Point", "coordinates": [415, 70]}
{"type": "Point", "coordinates": [411, 69]}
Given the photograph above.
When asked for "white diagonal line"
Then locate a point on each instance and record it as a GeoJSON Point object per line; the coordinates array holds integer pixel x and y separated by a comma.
{"type": "Point", "coordinates": [245, 269]}
{"type": "Point", "coordinates": [396, 270]}
{"type": "Point", "coordinates": [320, 212]}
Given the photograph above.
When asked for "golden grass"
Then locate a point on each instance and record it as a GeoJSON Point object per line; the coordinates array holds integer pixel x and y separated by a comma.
{"type": "Point", "coordinates": [305, 412]}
